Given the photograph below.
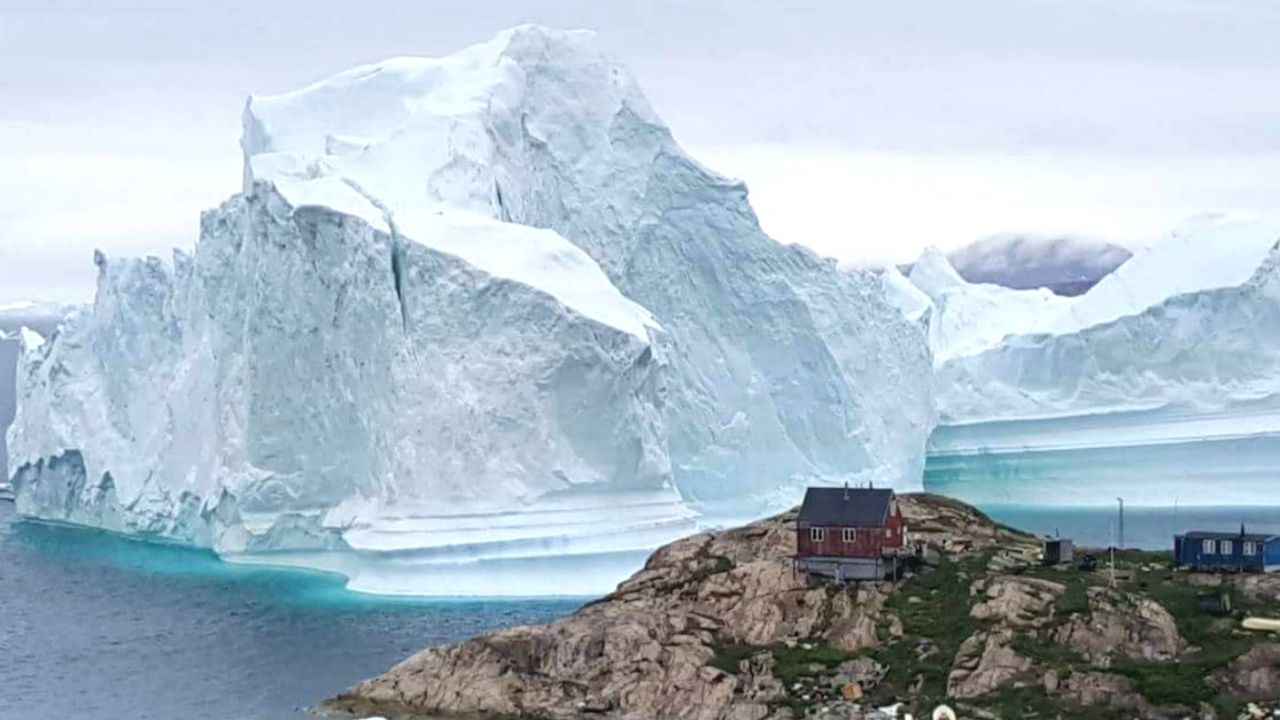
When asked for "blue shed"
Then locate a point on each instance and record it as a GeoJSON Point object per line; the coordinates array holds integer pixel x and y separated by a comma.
{"type": "Point", "coordinates": [1248, 552]}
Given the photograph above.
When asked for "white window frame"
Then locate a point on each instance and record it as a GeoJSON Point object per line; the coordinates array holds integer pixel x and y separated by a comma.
{"type": "Point", "coordinates": [1209, 547]}
{"type": "Point", "coordinates": [1249, 548]}
{"type": "Point", "coordinates": [849, 535]}
{"type": "Point", "coordinates": [817, 534]}
{"type": "Point", "coordinates": [1226, 547]}
{"type": "Point", "coordinates": [888, 533]}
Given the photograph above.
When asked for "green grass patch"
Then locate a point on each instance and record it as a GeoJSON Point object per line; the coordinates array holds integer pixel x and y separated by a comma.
{"type": "Point", "coordinates": [1074, 600]}
{"type": "Point", "coordinates": [935, 623]}
{"type": "Point", "coordinates": [789, 663]}
{"type": "Point", "coordinates": [1058, 657]}
{"type": "Point", "coordinates": [729, 656]}
{"type": "Point", "coordinates": [1167, 683]}
{"type": "Point", "coordinates": [793, 663]}
{"type": "Point", "coordinates": [1027, 703]}
{"type": "Point", "coordinates": [718, 564]}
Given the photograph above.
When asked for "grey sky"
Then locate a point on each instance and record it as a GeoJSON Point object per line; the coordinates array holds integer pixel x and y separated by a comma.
{"type": "Point", "coordinates": [866, 130]}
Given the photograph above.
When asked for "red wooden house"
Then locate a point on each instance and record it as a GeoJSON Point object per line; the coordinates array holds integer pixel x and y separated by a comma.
{"type": "Point", "coordinates": [849, 533]}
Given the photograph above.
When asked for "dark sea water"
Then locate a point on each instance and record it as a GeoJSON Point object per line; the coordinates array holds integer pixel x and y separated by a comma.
{"type": "Point", "coordinates": [96, 627]}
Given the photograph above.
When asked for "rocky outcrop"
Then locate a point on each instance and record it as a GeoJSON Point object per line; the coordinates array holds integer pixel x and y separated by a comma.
{"type": "Point", "coordinates": [985, 662]}
{"type": "Point", "coordinates": [648, 649]}
{"type": "Point", "coordinates": [1254, 675]}
{"type": "Point", "coordinates": [1103, 690]}
{"type": "Point", "coordinates": [1121, 624]}
{"type": "Point", "coordinates": [718, 627]}
{"type": "Point", "coordinates": [1017, 601]}
{"type": "Point", "coordinates": [1262, 588]}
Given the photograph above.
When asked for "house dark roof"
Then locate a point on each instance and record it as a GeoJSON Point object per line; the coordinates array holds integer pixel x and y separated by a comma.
{"type": "Point", "coordinates": [1252, 537]}
{"type": "Point", "coordinates": [841, 507]}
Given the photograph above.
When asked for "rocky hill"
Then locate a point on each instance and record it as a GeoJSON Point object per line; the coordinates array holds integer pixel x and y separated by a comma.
{"type": "Point", "coordinates": [1065, 265]}
{"type": "Point", "coordinates": [718, 627]}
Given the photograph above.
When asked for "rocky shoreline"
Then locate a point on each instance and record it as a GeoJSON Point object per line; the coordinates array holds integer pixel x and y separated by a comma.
{"type": "Point", "coordinates": [718, 626]}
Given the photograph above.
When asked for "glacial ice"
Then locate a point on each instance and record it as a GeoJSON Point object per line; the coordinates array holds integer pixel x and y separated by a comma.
{"type": "Point", "coordinates": [41, 318]}
{"type": "Point", "coordinates": [968, 318]}
{"type": "Point", "coordinates": [1160, 381]}
{"type": "Point", "coordinates": [474, 325]}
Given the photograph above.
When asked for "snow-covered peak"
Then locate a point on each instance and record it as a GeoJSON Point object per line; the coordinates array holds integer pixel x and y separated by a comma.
{"type": "Point", "coordinates": [421, 144]}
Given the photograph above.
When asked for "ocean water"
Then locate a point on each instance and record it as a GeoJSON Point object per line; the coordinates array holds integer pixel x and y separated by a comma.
{"type": "Point", "coordinates": [1178, 487]}
{"type": "Point", "coordinates": [1146, 528]}
{"type": "Point", "coordinates": [96, 627]}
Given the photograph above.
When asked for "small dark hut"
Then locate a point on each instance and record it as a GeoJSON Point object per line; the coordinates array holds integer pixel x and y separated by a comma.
{"type": "Point", "coordinates": [1058, 551]}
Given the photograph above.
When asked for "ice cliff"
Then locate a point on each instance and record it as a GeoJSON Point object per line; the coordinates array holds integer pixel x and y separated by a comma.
{"type": "Point", "coordinates": [474, 325]}
{"type": "Point", "coordinates": [17, 319]}
{"type": "Point", "coordinates": [1159, 383]}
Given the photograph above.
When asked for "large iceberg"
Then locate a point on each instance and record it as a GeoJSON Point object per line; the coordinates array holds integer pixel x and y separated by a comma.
{"type": "Point", "coordinates": [1161, 381]}
{"type": "Point", "coordinates": [474, 325]}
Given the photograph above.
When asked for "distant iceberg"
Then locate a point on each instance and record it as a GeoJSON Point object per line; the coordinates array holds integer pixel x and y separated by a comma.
{"type": "Point", "coordinates": [1161, 382]}
{"type": "Point", "coordinates": [475, 325]}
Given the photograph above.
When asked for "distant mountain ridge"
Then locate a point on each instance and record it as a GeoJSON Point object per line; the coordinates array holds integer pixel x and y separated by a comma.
{"type": "Point", "coordinates": [1066, 265]}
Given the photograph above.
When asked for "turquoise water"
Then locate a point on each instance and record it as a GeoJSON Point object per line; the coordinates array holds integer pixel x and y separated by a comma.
{"type": "Point", "coordinates": [96, 627]}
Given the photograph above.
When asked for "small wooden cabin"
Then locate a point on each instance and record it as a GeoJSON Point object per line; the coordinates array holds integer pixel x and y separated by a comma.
{"type": "Point", "coordinates": [1058, 551]}
{"type": "Point", "coordinates": [1242, 552]}
{"type": "Point", "coordinates": [849, 533]}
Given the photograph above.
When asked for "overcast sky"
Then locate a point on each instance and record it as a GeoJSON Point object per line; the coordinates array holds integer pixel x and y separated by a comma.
{"type": "Point", "coordinates": [866, 130]}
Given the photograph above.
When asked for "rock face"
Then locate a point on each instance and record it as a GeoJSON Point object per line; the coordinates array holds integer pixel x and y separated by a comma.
{"type": "Point", "coordinates": [1065, 265]}
{"type": "Point", "coordinates": [647, 650]}
{"type": "Point", "coordinates": [1102, 690]}
{"type": "Point", "coordinates": [1254, 675]}
{"type": "Point", "coordinates": [1017, 601]}
{"type": "Point", "coordinates": [477, 308]}
{"type": "Point", "coordinates": [985, 662]}
{"type": "Point", "coordinates": [1122, 625]}
{"type": "Point", "coordinates": [642, 652]}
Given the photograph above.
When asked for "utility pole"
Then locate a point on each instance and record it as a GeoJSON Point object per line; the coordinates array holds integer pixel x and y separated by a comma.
{"type": "Point", "coordinates": [1113, 552]}
{"type": "Point", "coordinates": [1121, 501]}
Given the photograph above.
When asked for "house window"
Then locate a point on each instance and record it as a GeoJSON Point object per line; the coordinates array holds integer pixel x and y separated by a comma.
{"type": "Point", "coordinates": [1225, 547]}
{"type": "Point", "coordinates": [1250, 547]}
{"type": "Point", "coordinates": [1210, 547]}
{"type": "Point", "coordinates": [849, 535]}
{"type": "Point", "coordinates": [888, 533]}
{"type": "Point", "coordinates": [817, 534]}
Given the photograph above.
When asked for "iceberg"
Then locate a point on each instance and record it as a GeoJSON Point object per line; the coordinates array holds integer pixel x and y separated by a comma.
{"type": "Point", "coordinates": [17, 319]}
{"type": "Point", "coordinates": [1159, 382]}
{"type": "Point", "coordinates": [473, 326]}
